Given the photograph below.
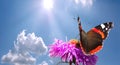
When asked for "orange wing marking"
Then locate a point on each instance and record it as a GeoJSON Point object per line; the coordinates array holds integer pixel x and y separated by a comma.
{"type": "Point", "coordinates": [82, 49]}
{"type": "Point", "coordinates": [99, 32]}
{"type": "Point", "coordinates": [96, 50]}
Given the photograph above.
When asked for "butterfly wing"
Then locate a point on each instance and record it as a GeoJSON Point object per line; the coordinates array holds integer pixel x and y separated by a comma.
{"type": "Point", "coordinates": [105, 28]}
{"type": "Point", "coordinates": [94, 42]}
{"type": "Point", "coordinates": [83, 38]}
{"type": "Point", "coordinates": [96, 36]}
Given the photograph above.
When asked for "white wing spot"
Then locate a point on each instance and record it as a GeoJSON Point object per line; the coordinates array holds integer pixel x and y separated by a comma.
{"type": "Point", "coordinates": [106, 28]}
{"type": "Point", "coordinates": [103, 26]}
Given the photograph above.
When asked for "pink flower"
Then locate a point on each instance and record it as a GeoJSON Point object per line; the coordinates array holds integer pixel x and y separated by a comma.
{"type": "Point", "coordinates": [70, 53]}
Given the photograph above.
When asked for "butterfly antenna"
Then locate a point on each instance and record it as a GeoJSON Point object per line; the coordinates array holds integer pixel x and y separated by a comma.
{"type": "Point", "coordinates": [80, 27]}
{"type": "Point", "coordinates": [79, 23]}
{"type": "Point", "coordinates": [78, 19]}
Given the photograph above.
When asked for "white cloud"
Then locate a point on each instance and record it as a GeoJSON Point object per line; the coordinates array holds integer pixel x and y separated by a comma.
{"type": "Point", "coordinates": [43, 63]}
{"type": "Point", "coordinates": [84, 2]}
{"type": "Point", "coordinates": [18, 58]}
{"type": "Point", "coordinates": [24, 48]}
{"type": "Point", "coordinates": [30, 43]}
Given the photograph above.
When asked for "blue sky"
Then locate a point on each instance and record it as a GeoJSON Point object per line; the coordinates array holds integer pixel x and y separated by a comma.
{"type": "Point", "coordinates": [57, 22]}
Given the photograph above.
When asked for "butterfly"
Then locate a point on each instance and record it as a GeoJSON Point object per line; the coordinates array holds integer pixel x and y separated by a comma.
{"type": "Point", "coordinates": [92, 41]}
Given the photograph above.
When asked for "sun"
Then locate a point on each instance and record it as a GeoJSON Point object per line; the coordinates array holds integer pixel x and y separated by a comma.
{"type": "Point", "coordinates": [48, 4]}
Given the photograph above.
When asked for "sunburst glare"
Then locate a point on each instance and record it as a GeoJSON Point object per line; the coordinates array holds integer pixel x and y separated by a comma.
{"type": "Point", "coordinates": [48, 4]}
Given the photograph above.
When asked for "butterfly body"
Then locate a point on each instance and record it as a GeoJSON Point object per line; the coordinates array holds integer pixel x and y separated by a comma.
{"type": "Point", "coordinates": [92, 41]}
